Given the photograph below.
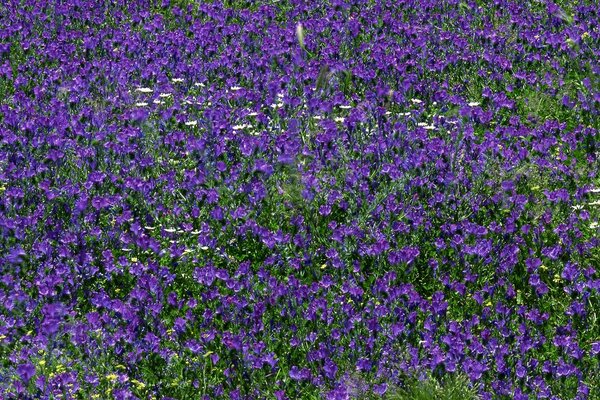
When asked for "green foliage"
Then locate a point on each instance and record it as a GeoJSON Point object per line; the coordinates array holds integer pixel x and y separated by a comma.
{"type": "Point", "coordinates": [453, 387]}
{"type": "Point", "coordinates": [448, 387]}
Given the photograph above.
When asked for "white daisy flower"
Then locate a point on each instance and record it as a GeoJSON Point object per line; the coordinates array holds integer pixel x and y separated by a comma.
{"type": "Point", "coordinates": [141, 104]}
{"type": "Point", "coordinates": [144, 90]}
{"type": "Point", "coordinates": [473, 104]}
{"type": "Point", "coordinates": [191, 123]}
{"type": "Point", "coordinates": [416, 101]}
{"type": "Point", "coordinates": [177, 80]}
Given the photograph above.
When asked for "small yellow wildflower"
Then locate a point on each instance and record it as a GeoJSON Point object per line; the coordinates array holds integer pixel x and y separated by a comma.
{"type": "Point", "coordinates": [139, 385]}
{"type": "Point", "coordinates": [112, 377]}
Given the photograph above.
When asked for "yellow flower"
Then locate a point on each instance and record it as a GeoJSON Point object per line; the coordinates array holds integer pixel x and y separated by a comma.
{"type": "Point", "coordinates": [111, 377]}
{"type": "Point", "coordinates": [139, 385]}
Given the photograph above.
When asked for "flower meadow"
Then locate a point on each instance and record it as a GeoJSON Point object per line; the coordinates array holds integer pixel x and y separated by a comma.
{"type": "Point", "coordinates": [340, 199]}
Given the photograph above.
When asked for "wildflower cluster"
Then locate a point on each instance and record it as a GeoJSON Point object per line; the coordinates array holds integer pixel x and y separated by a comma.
{"type": "Point", "coordinates": [290, 199]}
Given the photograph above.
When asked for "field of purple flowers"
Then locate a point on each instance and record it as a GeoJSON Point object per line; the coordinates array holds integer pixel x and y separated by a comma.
{"type": "Point", "coordinates": [299, 200]}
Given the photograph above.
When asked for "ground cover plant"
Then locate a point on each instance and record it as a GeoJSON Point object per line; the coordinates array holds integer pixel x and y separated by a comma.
{"type": "Point", "coordinates": [299, 200]}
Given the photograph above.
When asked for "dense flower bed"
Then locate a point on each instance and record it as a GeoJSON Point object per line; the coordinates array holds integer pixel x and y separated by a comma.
{"type": "Point", "coordinates": [289, 199]}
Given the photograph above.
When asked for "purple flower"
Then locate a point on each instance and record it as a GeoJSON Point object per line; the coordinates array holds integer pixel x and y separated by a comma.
{"type": "Point", "coordinates": [330, 369]}
{"type": "Point", "coordinates": [380, 389]}
{"type": "Point", "coordinates": [280, 395]}
{"type": "Point", "coordinates": [26, 371]}
{"type": "Point", "coordinates": [15, 255]}
{"type": "Point", "coordinates": [570, 272]}
{"type": "Point", "coordinates": [298, 374]}
{"type": "Point", "coordinates": [508, 186]}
